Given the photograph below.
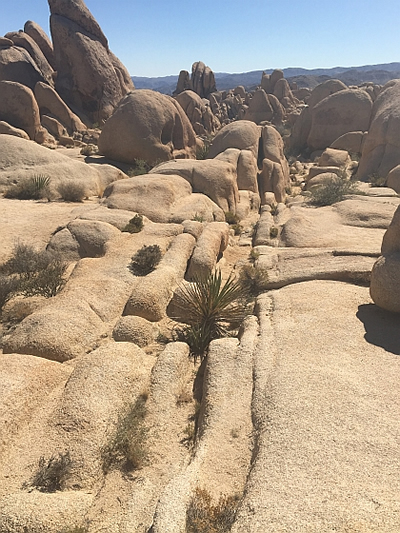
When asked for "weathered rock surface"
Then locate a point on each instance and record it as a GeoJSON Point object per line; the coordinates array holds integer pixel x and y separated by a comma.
{"type": "Point", "coordinates": [18, 66]}
{"type": "Point", "coordinates": [199, 112]}
{"type": "Point", "coordinates": [148, 125]}
{"type": "Point", "coordinates": [210, 246]}
{"type": "Point", "coordinates": [18, 107]}
{"type": "Point", "coordinates": [243, 135]}
{"type": "Point", "coordinates": [89, 77]}
{"type": "Point", "coordinates": [39, 36]}
{"type": "Point", "coordinates": [381, 148]}
{"type": "Point", "coordinates": [274, 176]}
{"type": "Point", "coordinates": [337, 114]}
{"type": "Point", "coordinates": [214, 178]}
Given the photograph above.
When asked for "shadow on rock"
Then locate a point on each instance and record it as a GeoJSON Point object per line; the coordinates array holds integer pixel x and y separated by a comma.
{"type": "Point", "coordinates": [382, 328]}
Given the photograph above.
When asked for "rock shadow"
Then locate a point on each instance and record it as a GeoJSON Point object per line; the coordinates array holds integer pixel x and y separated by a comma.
{"type": "Point", "coordinates": [382, 328]}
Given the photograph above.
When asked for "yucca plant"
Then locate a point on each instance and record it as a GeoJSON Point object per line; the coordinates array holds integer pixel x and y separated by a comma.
{"type": "Point", "coordinates": [33, 188]}
{"type": "Point", "coordinates": [211, 308]}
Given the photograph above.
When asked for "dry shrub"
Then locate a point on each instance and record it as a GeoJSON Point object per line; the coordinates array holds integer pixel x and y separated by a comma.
{"type": "Point", "coordinates": [203, 516]}
{"type": "Point", "coordinates": [127, 448]}
{"type": "Point", "coordinates": [253, 280]}
{"type": "Point", "coordinates": [135, 225]}
{"type": "Point", "coordinates": [51, 474]}
{"type": "Point", "coordinates": [35, 188]}
{"type": "Point", "coordinates": [145, 260]}
{"type": "Point", "coordinates": [72, 191]}
{"type": "Point", "coordinates": [8, 288]}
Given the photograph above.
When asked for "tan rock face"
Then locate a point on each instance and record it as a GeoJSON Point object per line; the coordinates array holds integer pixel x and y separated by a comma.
{"type": "Point", "coordinates": [337, 114]}
{"type": "Point", "coordinates": [203, 79]}
{"type": "Point", "coordinates": [148, 125]}
{"type": "Point", "coordinates": [18, 107]}
{"type": "Point", "coordinates": [89, 77]}
{"type": "Point", "coordinates": [381, 149]}
{"type": "Point", "coordinates": [274, 176]}
{"type": "Point", "coordinates": [243, 134]}
{"type": "Point", "coordinates": [17, 65]}
{"type": "Point", "coordinates": [39, 36]}
{"type": "Point", "coordinates": [199, 112]}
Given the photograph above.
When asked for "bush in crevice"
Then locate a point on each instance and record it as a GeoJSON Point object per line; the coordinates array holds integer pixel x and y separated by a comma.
{"type": "Point", "coordinates": [253, 280]}
{"type": "Point", "coordinates": [127, 447]}
{"type": "Point", "coordinates": [35, 188]}
{"type": "Point", "coordinates": [51, 474]}
{"type": "Point", "coordinates": [8, 288]}
{"type": "Point", "coordinates": [135, 225]}
{"type": "Point", "coordinates": [204, 516]}
{"type": "Point", "coordinates": [72, 191]}
{"type": "Point", "coordinates": [145, 260]}
{"type": "Point", "coordinates": [139, 167]}
{"type": "Point", "coordinates": [332, 192]}
{"type": "Point", "coordinates": [211, 309]}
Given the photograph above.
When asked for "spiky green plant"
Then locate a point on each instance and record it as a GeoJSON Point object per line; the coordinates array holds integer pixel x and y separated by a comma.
{"type": "Point", "coordinates": [211, 308]}
{"type": "Point", "coordinates": [34, 188]}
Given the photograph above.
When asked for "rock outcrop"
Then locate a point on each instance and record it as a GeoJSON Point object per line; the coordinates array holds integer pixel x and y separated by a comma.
{"type": "Point", "coordinates": [148, 125]}
{"type": "Point", "coordinates": [89, 77]}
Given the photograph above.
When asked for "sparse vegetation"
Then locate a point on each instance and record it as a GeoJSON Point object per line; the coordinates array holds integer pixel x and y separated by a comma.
{"type": "Point", "coordinates": [202, 151]}
{"type": "Point", "coordinates": [253, 280]}
{"type": "Point", "coordinates": [32, 272]}
{"type": "Point", "coordinates": [376, 180]}
{"type": "Point", "coordinates": [8, 288]}
{"type": "Point", "coordinates": [237, 228]}
{"type": "Point", "coordinates": [198, 218]}
{"type": "Point", "coordinates": [145, 260]}
{"type": "Point", "coordinates": [51, 474]}
{"type": "Point", "coordinates": [231, 218]}
{"type": "Point", "coordinates": [35, 188]}
{"type": "Point", "coordinates": [203, 516]}
{"type": "Point", "coordinates": [72, 191]}
{"type": "Point", "coordinates": [139, 167]}
{"type": "Point", "coordinates": [273, 232]}
{"type": "Point", "coordinates": [135, 225]}
{"type": "Point", "coordinates": [211, 308]}
{"type": "Point", "coordinates": [332, 192]}
{"type": "Point", "coordinates": [127, 448]}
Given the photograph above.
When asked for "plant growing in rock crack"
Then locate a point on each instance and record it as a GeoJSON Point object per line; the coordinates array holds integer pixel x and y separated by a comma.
{"type": "Point", "coordinates": [253, 279]}
{"type": "Point", "coordinates": [205, 516]}
{"type": "Point", "coordinates": [51, 474]}
{"type": "Point", "coordinates": [127, 447]}
{"type": "Point", "coordinates": [145, 260]}
{"type": "Point", "coordinates": [211, 309]}
{"type": "Point", "coordinates": [135, 225]}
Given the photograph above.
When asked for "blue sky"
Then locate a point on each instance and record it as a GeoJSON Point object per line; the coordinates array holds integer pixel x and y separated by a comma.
{"type": "Point", "coordinates": [158, 38]}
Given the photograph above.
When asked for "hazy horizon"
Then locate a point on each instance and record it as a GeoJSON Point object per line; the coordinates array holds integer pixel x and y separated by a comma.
{"type": "Point", "coordinates": [160, 39]}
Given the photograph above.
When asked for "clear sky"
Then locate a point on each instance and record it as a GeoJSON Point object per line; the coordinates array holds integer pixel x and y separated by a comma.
{"type": "Point", "coordinates": [162, 37]}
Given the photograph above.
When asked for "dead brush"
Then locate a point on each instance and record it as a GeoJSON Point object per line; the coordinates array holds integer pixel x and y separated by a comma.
{"type": "Point", "coordinates": [205, 516]}
{"type": "Point", "coordinates": [51, 474]}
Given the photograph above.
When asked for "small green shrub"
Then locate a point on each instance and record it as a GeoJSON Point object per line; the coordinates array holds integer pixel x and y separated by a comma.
{"type": "Point", "coordinates": [203, 516]}
{"type": "Point", "coordinates": [145, 260]}
{"type": "Point", "coordinates": [72, 191]}
{"type": "Point", "coordinates": [376, 180]}
{"type": "Point", "coordinates": [135, 225]}
{"type": "Point", "coordinates": [254, 255]}
{"type": "Point", "coordinates": [253, 280]}
{"type": "Point", "coordinates": [139, 167]}
{"type": "Point", "coordinates": [35, 188]}
{"type": "Point", "coordinates": [332, 192]}
{"type": "Point", "coordinates": [273, 232]}
{"type": "Point", "coordinates": [198, 218]}
{"type": "Point", "coordinates": [52, 474]}
{"type": "Point", "coordinates": [127, 448]}
{"type": "Point", "coordinates": [210, 307]}
{"type": "Point", "coordinates": [231, 218]}
{"type": "Point", "coordinates": [237, 228]}
{"type": "Point", "coordinates": [203, 150]}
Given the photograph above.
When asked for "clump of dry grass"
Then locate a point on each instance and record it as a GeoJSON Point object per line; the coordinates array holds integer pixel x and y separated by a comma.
{"type": "Point", "coordinates": [72, 191]}
{"type": "Point", "coordinates": [205, 516]}
{"type": "Point", "coordinates": [52, 474]}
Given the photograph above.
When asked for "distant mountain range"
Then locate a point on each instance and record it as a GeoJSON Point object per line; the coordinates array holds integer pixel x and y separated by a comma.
{"type": "Point", "coordinates": [379, 74]}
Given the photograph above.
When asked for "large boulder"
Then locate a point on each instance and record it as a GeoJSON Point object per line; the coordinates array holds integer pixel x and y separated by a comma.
{"type": "Point", "coordinates": [21, 159]}
{"type": "Point", "coordinates": [216, 179]}
{"type": "Point", "coordinates": [203, 79]}
{"type": "Point", "coordinates": [89, 77]}
{"type": "Point", "coordinates": [148, 125]}
{"type": "Point", "coordinates": [17, 65]}
{"type": "Point", "coordinates": [260, 108]}
{"type": "Point", "coordinates": [199, 112]}
{"type": "Point", "coordinates": [337, 114]}
{"type": "Point", "coordinates": [242, 134]}
{"type": "Point", "coordinates": [274, 176]}
{"type": "Point", "coordinates": [19, 108]}
{"type": "Point", "coordinates": [39, 36]}
{"type": "Point", "coordinates": [23, 40]}
{"type": "Point", "coordinates": [381, 149]}
{"type": "Point", "coordinates": [50, 104]}
{"type": "Point", "coordinates": [385, 276]}
{"type": "Point", "coordinates": [211, 244]}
